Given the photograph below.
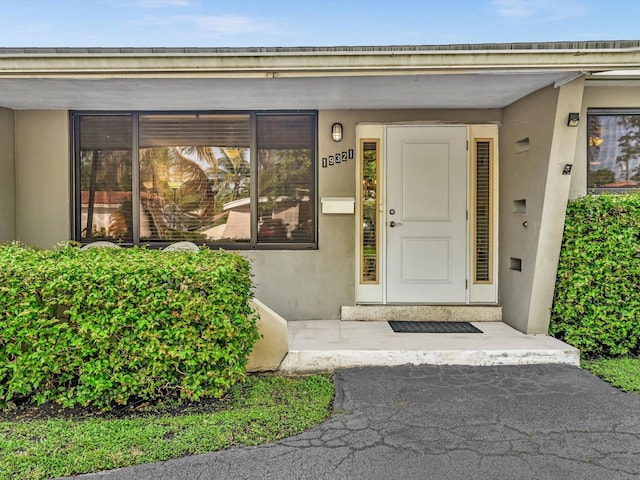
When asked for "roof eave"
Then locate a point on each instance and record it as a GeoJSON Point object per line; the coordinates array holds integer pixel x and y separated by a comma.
{"type": "Point", "coordinates": [57, 63]}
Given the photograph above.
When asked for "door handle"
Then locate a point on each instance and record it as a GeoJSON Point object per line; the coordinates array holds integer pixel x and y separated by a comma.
{"type": "Point", "coordinates": [394, 224]}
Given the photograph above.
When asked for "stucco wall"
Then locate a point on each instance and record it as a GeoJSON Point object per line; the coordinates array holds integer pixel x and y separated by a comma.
{"type": "Point", "coordinates": [7, 176]}
{"type": "Point", "coordinates": [597, 97]}
{"type": "Point", "coordinates": [302, 285]}
{"type": "Point", "coordinates": [42, 177]}
{"type": "Point", "coordinates": [535, 177]}
{"type": "Point", "coordinates": [297, 284]}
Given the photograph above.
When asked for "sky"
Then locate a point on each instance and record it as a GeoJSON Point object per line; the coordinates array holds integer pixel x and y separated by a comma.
{"type": "Point", "coordinates": [294, 23]}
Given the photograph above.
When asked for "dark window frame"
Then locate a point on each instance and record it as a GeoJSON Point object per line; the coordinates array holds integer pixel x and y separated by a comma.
{"type": "Point", "coordinates": [253, 244]}
{"type": "Point", "coordinates": [611, 112]}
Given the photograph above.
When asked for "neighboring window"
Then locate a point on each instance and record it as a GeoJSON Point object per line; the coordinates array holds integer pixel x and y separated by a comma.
{"type": "Point", "coordinates": [221, 179]}
{"type": "Point", "coordinates": [613, 150]}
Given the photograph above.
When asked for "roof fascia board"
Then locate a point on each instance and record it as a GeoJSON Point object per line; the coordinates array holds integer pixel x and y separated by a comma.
{"type": "Point", "coordinates": [273, 64]}
{"type": "Point", "coordinates": [612, 82]}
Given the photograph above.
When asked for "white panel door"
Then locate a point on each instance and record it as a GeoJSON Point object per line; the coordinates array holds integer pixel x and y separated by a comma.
{"type": "Point", "coordinates": [426, 212]}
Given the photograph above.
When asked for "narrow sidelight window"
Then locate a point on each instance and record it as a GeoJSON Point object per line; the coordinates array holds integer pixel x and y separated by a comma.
{"type": "Point", "coordinates": [370, 254]}
{"type": "Point", "coordinates": [483, 249]}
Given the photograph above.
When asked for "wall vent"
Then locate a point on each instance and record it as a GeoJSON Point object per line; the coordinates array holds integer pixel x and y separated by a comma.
{"type": "Point", "coordinates": [520, 206]}
{"type": "Point", "coordinates": [515, 264]}
{"type": "Point", "coordinates": [522, 145]}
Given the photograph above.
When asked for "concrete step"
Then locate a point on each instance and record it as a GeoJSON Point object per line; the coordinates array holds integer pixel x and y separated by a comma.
{"type": "Point", "coordinates": [326, 345]}
{"type": "Point", "coordinates": [433, 313]}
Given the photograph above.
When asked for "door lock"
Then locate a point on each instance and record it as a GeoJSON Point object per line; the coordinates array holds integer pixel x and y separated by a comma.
{"type": "Point", "coordinates": [392, 212]}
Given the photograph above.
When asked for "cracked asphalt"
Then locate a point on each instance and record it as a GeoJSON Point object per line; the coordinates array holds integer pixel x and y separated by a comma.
{"type": "Point", "coordinates": [449, 422]}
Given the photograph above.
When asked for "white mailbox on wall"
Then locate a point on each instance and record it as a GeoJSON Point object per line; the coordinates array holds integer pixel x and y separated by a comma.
{"type": "Point", "coordinates": [344, 205]}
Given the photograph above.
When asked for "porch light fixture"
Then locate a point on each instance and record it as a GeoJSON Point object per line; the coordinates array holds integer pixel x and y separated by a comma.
{"type": "Point", "coordinates": [174, 185]}
{"type": "Point", "coordinates": [336, 132]}
{"type": "Point", "coordinates": [574, 119]}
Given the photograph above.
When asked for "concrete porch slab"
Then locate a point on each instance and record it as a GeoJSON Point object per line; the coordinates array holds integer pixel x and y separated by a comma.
{"type": "Point", "coordinates": [325, 345]}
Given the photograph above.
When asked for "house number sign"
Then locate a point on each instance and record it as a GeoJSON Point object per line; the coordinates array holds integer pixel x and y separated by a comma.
{"type": "Point", "coordinates": [339, 157]}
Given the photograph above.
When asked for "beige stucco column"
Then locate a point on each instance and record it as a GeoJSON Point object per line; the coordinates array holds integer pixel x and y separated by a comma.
{"type": "Point", "coordinates": [536, 145]}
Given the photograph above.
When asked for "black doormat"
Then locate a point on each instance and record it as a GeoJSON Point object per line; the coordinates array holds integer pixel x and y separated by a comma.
{"type": "Point", "coordinates": [433, 327]}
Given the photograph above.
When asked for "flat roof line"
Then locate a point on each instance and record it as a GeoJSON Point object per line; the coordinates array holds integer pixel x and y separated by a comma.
{"type": "Point", "coordinates": [492, 47]}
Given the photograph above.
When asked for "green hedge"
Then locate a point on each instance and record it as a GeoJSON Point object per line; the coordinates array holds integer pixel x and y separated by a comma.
{"type": "Point", "coordinates": [597, 297]}
{"type": "Point", "coordinates": [106, 326]}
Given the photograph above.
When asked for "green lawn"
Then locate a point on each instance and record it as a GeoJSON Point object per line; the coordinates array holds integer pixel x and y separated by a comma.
{"type": "Point", "coordinates": [622, 373]}
{"type": "Point", "coordinates": [260, 410]}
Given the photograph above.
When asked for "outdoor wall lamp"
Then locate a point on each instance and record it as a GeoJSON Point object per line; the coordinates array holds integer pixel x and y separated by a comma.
{"type": "Point", "coordinates": [336, 132]}
{"type": "Point", "coordinates": [174, 185]}
{"type": "Point", "coordinates": [574, 119]}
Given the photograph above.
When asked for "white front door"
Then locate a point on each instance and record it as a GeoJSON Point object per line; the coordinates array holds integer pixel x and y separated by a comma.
{"type": "Point", "coordinates": [426, 209]}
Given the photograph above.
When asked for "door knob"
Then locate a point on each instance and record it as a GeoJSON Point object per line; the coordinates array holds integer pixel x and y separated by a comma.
{"type": "Point", "coordinates": [394, 224]}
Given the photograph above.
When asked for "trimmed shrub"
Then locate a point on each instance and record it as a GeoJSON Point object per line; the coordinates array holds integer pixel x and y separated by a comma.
{"type": "Point", "coordinates": [597, 297]}
{"type": "Point", "coordinates": [106, 326]}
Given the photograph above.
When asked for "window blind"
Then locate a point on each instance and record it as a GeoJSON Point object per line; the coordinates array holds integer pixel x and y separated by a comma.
{"type": "Point", "coordinates": [194, 130]}
{"type": "Point", "coordinates": [483, 247]}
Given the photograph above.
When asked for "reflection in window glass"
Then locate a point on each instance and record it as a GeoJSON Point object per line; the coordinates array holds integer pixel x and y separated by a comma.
{"type": "Point", "coordinates": [195, 178]}
{"type": "Point", "coordinates": [369, 209]}
{"type": "Point", "coordinates": [237, 179]}
{"type": "Point", "coordinates": [613, 151]}
{"type": "Point", "coordinates": [285, 178]}
{"type": "Point", "coordinates": [105, 179]}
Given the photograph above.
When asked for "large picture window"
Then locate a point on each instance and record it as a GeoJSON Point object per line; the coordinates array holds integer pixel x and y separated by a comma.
{"type": "Point", "coordinates": [613, 150]}
{"type": "Point", "coordinates": [227, 179]}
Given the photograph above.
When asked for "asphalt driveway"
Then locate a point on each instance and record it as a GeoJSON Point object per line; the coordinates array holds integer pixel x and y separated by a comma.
{"type": "Point", "coordinates": [453, 422]}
